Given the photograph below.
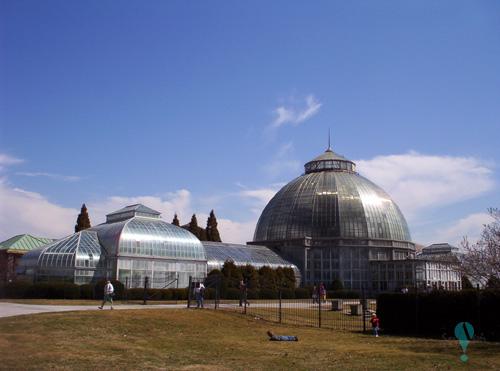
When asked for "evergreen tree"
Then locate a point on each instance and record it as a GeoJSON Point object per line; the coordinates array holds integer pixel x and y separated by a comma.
{"type": "Point", "coordinates": [268, 278]}
{"type": "Point", "coordinates": [176, 221]}
{"type": "Point", "coordinates": [251, 277]}
{"type": "Point", "coordinates": [202, 234]}
{"type": "Point", "coordinates": [193, 226]}
{"type": "Point", "coordinates": [289, 277]}
{"type": "Point", "coordinates": [83, 220]}
{"type": "Point", "coordinates": [214, 278]}
{"type": "Point", "coordinates": [231, 274]}
{"type": "Point", "coordinates": [212, 231]}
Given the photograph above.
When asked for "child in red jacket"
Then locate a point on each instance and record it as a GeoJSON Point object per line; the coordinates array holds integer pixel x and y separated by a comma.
{"type": "Point", "coordinates": [375, 324]}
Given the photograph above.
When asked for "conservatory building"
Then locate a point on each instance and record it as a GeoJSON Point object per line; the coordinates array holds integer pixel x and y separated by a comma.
{"type": "Point", "coordinates": [134, 243]}
{"type": "Point", "coordinates": [332, 222]}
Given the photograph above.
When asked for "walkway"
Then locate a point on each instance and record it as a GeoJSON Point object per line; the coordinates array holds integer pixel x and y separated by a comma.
{"type": "Point", "coordinates": [15, 309]}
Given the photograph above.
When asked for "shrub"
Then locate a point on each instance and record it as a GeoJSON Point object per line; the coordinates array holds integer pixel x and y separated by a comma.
{"type": "Point", "coordinates": [87, 291]}
{"type": "Point", "coordinates": [490, 319]}
{"type": "Point", "coordinates": [135, 294]}
{"type": "Point", "coordinates": [302, 293]}
{"type": "Point", "coordinates": [232, 294]}
{"type": "Point", "coordinates": [209, 293]}
{"type": "Point", "coordinates": [287, 293]}
{"type": "Point", "coordinates": [252, 294]}
{"type": "Point", "coordinates": [179, 294]}
{"type": "Point", "coordinates": [437, 313]}
{"type": "Point", "coordinates": [267, 293]}
{"type": "Point", "coordinates": [17, 289]}
{"type": "Point", "coordinates": [166, 294]}
{"type": "Point", "coordinates": [342, 294]}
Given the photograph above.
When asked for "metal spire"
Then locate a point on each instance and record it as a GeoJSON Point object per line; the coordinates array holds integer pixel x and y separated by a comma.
{"type": "Point", "coordinates": [329, 149]}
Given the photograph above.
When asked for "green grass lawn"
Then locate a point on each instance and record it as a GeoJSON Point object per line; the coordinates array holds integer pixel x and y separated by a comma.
{"type": "Point", "coordinates": [213, 340]}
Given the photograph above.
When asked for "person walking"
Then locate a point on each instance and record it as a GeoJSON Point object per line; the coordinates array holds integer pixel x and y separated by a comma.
{"type": "Point", "coordinates": [243, 293]}
{"type": "Point", "coordinates": [375, 321]}
{"type": "Point", "coordinates": [109, 291]}
{"type": "Point", "coordinates": [322, 292]}
{"type": "Point", "coordinates": [202, 294]}
{"type": "Point", "coordinates": [315, 295]}
{"type": "Point", "coordinates": [197, 295]}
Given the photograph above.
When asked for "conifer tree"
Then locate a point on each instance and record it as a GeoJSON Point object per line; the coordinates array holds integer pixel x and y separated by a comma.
{"type": "Point", "coordinates": [176, 221]}
{"type": "Point", "coordinates": [83, 220]}
{"type": "Point", "coordinates": [212, 231]}
{"type": "Point", "coordinates": [193, 226]}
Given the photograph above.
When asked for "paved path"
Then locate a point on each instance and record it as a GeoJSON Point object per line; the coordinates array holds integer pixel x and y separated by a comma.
{"type": "Point", "coordinates": [15, 309]}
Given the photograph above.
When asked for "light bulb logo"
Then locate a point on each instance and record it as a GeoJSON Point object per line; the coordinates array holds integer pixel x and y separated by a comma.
{"type": "Point", "coordinates": [464, 333]}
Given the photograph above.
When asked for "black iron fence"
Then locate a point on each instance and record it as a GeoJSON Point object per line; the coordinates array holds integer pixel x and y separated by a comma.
{"type": "Point", "coordinates": [316, 311]}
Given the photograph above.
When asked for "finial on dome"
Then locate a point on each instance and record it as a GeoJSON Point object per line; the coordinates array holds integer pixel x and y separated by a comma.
{"type": "Point", "coordinates": [329, 149]}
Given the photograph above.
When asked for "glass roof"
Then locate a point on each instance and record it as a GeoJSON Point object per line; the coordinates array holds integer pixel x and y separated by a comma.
{"type": "Point", "coordinates": [331, 161]}
{"type": "Point", "coordinates": [80, 250]}
{"type": "Point", "coordinates": [130, 211]}
{"type": "Point", "coordinates": [331, 203]}
{"type": "Point", "coordinates": [24, 242]}
{"type": "Point", "coordinates": [258, 256]}
{"type": "Point", "coordinates": [154, 237]}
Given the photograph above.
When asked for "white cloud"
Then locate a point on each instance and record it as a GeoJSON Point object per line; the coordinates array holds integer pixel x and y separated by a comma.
{"type": "Point", "coordinates": [66, 178]}
{"type": "Point", "coordinates": [282, 163]}
{"type": "Point", "coordinates": [470, 226]}
{"type": "Point", "coordinates": [29, 212]}
{"type": "Point", "coordinates": [236, 232]}
{"type": "Point", "coordinates": [176, 202]}
{"type": "Point", "coordinates": [418, 182]}
{"type": "Point", "coordinates": [179, 202]}
{"type": "Point", "coordinates": [7, 160]}
{"type": "Point", "coordinates": [262, 196]}
{"type": "Point", "coordinates": [294, 115]}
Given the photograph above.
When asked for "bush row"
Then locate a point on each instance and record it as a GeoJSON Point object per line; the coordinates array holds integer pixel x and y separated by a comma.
{"type": "Point", "coordinates": [58, 290]}
{"type": "Point", "coordinates": [67, 290]}
{"type": "Point", "coordinates": [437, 313]}
{"type": "Point", "coordinates": [273, 294]}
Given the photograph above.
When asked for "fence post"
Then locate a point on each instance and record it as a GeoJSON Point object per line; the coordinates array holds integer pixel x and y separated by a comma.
{"type": "Point", "coordinates": [189, 291]}
{"type": "Point", "coordinates": [319, 308]}
{"type": "Point", "coordinates": [216, 299]}
{"type": "Point", "coordinates": [478, 304]}
{"type": "Point", "coordinates": [364, 303]}
{"type": "Point", "coordinates": [145, 297]}
{"type": "Point", "coordinates": [279, 305]}
{"type": "Point", "coordinates": [245, 306]}
{"type": "Point", "coordinates": [416, 313]}
{"type": "Point", "coordinates": [126, 289]}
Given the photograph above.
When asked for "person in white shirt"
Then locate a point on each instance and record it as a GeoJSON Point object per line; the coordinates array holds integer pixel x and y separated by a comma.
{"type": "Point", "coordinates": [108, 294]}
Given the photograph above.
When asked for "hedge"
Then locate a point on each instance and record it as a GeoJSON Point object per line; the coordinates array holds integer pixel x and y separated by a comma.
{"type": "Point", "coordinates": [437, 313]}
{"type": "Point", "coordinates": [67, 290]}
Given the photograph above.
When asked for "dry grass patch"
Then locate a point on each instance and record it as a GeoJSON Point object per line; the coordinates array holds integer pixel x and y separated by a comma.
{"type": "Point", "coordinates": [209, 340]}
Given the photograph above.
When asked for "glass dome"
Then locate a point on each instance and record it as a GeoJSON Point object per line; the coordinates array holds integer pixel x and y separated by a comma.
{"type": "Point", "coordinates": [77, 258]}
{"type": "Point", "coordinates": [330, 200]}
{"type": "Point", "coordinates": [133, 244]}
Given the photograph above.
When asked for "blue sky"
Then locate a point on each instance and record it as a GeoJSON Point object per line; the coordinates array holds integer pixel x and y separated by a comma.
{"type": "Point", "coordinates": [190, 106]}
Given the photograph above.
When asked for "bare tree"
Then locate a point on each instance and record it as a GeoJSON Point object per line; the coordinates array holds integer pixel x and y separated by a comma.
{"type": "Point", "coordinates": [481, 260]}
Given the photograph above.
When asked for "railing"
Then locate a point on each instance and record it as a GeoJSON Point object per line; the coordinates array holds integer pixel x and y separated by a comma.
{"type": "Point", "coordinates": [337, 314]}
